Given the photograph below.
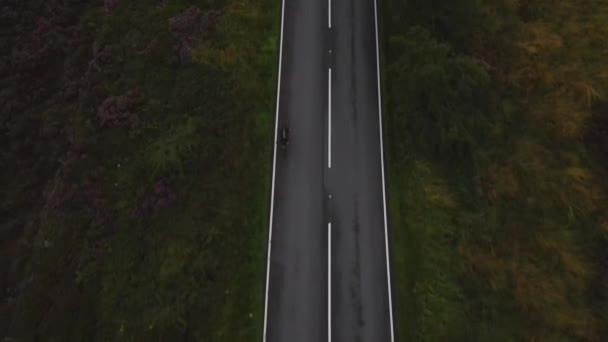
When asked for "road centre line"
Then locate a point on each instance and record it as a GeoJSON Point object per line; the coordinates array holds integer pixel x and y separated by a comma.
{"type": "Point", "coordinates": [329, 282]}
{"type": "Point", "coordinates": [274, 167]}
{"type": "Point", "coordinates": [329, 121]}
{"type": "Point", "coordinates": [388, 267]}
{"type": "Point", "coordinates": [329, 13]}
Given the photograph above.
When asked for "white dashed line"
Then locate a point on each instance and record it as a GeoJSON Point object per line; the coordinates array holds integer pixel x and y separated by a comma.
{"type": "Point", "coordinates": [329, 282]}
{"type": "Point", "coordinates": [329, 13]}
{"type": "Point", "coordinates": [329, 122]}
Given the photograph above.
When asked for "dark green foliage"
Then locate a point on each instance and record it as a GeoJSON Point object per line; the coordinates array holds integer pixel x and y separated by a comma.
{"type": "Point", "coordinates": [444, 96]}
{"type": "Point", "coordinates": [497, 210]}
{"type": "Point", "coordinates": [596, 139]}
{"type": "Point", "coordinates": [136, 220]}
{"type": "Point", "coordinates": [451, 21]}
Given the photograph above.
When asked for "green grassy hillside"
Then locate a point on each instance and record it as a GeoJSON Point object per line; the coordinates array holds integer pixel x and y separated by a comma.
{"type": "Point", "coordinates": [496, 116]}
{"type": "Point", "coordinates": [136, 148]}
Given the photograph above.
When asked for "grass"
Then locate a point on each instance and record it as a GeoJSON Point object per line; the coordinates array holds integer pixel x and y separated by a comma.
{"type": "Point", "coordinates": [497, 189]}
{"type": "Point", "coordinates": [423, 249]}
{"type": "Point", "coordinates": [109, 263]}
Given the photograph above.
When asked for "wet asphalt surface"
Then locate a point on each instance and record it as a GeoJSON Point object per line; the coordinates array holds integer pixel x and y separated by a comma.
{"type": "Point", "coordinates": [308, 194]}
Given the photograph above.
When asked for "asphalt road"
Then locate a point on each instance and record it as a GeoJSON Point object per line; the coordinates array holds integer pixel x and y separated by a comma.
{"type": "Point", "coordinates": [328, 278]}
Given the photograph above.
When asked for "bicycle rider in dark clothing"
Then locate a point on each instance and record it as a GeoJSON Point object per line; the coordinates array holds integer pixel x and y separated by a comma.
{"type": "Point", "coordinates": [284, 136]}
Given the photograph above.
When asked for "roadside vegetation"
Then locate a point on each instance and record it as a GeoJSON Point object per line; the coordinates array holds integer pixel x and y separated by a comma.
{"type": "Point", "coordinates": [135, 149]}
{"type": "Point", "coordinates": [497, 137]}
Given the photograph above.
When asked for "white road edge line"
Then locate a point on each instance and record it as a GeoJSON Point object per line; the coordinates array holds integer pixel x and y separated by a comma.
{"type": "Point", "coordinates": [388, 267]}
{"type": "Point", "coordinates": [329, 122]}
{"type": "Point", "coordinates": [274, 165]}
{"type": "Point", "coordinates": [329, 282]}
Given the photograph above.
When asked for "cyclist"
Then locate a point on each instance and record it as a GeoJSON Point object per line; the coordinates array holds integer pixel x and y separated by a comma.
{"type": "Point", "coordinates": [284, 136]}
